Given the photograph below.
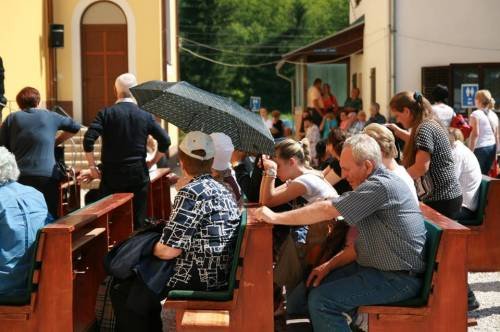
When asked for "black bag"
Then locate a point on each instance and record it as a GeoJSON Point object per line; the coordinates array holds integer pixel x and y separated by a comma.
{"type": "Point", "coordinates": [61, 169]}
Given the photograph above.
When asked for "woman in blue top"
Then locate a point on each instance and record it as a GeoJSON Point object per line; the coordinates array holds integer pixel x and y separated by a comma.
{"type": "Point", "coordinates": [22, 213]}
{"type": "Point", "coordinates": [31, 136]}
{"type": "Point", "coordinates": [329, 122]}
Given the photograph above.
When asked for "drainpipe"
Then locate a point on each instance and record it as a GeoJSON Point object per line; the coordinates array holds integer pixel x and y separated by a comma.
{"type": "Point", "coordinates": [292, 85]}
{"type": "Point", "coordinates": [392, 47]}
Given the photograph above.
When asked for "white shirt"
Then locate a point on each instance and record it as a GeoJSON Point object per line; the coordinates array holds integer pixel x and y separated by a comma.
{"type": "Point", "coordinates": [125, 100]}
{"type": "Point", "coordinates": [313, 136]}
{"type": "Point", "coordinates": [312, 94]}
{"type": "Point", "coordinates": [486, 135]}
{"type": "Point", "coordinates": [469, 174]}
{"type": "Point", "coordinates": [268, 122]}
{"type": "Point", "coordinates": [444, 113]}
{"type": "Point", "coordinates": [403, 174]}
{"type": "Point", "coordinates": [317, 189]}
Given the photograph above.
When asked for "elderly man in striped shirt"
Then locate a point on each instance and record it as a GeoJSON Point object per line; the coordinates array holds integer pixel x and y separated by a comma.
{"type": "Point", "coordinates": [384, 264]}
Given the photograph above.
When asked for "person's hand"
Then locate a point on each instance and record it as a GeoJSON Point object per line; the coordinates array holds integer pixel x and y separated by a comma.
{"type": "Point", "coordinates": [392, 126]}
{"type": "Point", "coordinates": [150, 163]}
{"type": "Point", "coordinates": [317, 275]}
{"type": "Point", "coordinates": [269, 164]}
{"type": "Point", "coordinates": [87, 175]}
{"type": "Point", "coordinates": [265, 214]}
{"type": "Point", "coordinates": [95, 172]}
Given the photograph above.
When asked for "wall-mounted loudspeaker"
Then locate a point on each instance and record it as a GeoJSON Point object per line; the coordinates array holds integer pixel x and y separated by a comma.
{"type": "Point", "coordinates": [56, 35]}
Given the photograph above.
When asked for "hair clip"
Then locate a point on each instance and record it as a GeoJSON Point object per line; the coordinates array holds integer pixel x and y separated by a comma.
{"type": "Point", "coordinates": [418, 97]}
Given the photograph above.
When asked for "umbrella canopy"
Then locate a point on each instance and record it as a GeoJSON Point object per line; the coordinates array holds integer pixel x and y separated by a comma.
{"type": "Point", "coordinates": [191, 108]}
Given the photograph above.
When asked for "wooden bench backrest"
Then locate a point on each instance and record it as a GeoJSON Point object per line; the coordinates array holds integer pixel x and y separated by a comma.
{"type": "Point", "coordinates": [159, 201]}
{"type": "Point", "coordinates": [483, 252]}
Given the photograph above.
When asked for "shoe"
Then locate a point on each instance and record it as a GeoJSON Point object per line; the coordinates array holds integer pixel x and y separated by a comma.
{"type": "Point", "coordinates": [472, 303]}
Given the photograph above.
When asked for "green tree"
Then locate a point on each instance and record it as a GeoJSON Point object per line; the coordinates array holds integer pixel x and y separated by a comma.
{"type": "Point", "coordinates": [251, 32]}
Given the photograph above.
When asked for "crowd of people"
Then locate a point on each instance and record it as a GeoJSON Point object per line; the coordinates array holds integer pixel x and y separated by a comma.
{"type": "Point", "coordinates": [344, 198]}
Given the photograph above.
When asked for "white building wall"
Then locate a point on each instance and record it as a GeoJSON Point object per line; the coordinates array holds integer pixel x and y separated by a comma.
{"type": "Point", "coordinates": [375, 51]}
{"type": "Point", "coordinates": [433, 33]}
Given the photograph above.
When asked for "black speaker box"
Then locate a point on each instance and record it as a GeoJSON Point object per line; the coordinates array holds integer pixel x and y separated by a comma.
{"type": "Point", "coordinates": [56, 35]}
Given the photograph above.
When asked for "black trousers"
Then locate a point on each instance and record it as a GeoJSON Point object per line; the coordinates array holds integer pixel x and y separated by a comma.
{"type": "Point", "coordinates": [48, 186]}
{"type": "Point", "coordinates": [139, 312]}
{"type": "Point", "coordinates": [449, 208]}
{"type": "Point", "coordinates": [128, 178]}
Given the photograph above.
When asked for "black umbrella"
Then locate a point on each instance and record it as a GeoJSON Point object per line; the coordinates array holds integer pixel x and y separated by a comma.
{"type": "Point", "coordinates": [191, 108]}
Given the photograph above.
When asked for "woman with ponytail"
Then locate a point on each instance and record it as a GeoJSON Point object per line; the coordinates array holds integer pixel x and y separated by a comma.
{"type": "Point", "coordinates": [292, 166]}
{"type": "Point", "coordinates": [427, 153]}
{"type": "Point", "coordinates": [297, 249]}
{"type": "Point", "coordinates": [484, 135]}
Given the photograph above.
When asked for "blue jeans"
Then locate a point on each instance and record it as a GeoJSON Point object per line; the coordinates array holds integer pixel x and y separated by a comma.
{"type": "Point", "coordinates": [486, 155]}
{"type": "Point", "coordinates": [344, 290]}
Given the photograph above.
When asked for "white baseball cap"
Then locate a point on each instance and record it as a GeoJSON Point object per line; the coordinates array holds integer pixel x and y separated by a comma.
{"type": "Point", "coordinates": [223, 151]}
{"type": "Point", "coordinates": [196, 140]}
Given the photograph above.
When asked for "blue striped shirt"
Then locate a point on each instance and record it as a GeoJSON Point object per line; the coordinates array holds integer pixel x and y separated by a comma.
{"type": "Point", "coordinates": [391, 226]}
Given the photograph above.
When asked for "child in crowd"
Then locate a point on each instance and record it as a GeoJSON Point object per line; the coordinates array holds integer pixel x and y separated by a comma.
{"type": "Point", "coordinates": [278, 128]}
{"type": "Point", "coordinates": [344, 123]}
{"type": "Point", "coordinates": [324, 156]}
{"type": "Point", "coordinates": [375, 116]}
{"type": "Point", "coordinates": [359, 124]}
{"type": "Point", "coordinates": [264, 114]}
{"type": "Point", "coordinates": [329, 122]}
{"type": "Point", "coordinates": [222, 170]}
{"type": "Point", "coordinates": [313, 136]}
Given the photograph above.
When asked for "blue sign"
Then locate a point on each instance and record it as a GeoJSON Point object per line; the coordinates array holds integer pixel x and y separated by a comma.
{"type": "Point", "coordinates": [468, 93]}
{"type": "Point", "coordinates": [254, 104]}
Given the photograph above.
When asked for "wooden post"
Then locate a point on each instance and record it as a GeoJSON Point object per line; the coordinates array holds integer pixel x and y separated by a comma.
{"type": "Point", "coordinates": [254, 311]}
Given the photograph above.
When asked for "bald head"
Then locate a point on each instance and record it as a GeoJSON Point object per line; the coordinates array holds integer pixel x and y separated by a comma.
{"type": "Point", "coordinates": [123, 84]}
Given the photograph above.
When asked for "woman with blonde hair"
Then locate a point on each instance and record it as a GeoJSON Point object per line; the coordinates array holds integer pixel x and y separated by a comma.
{"type": "Point", "coordinates": [484, 136]}
{"type": "Point", "coordinates": [292, 166]}
{"type": "Point", "coordinates": [302, 247]}
{"type": "Point", "coordinates": [387, 143]}
{"type": "Point", "coordinates": [427, 153]}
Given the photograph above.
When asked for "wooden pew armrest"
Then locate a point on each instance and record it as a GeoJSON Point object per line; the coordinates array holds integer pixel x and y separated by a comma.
{"type": "Point", "coordinates": [199, 305]}
{"type": "Point", "coordinates": [420, 311]}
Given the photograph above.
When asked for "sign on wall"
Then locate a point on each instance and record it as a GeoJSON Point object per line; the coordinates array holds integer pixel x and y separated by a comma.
{"type": "Point", "coordinates": [468, 93]}
{"type": "Point", "coordinates": [254, 104]}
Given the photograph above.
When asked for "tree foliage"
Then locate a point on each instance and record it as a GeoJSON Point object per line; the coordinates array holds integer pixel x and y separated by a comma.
{"type": "Point", "coordinates": [251, 32]}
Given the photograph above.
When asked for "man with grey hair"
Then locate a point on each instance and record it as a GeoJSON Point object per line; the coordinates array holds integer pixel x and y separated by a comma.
{"type": "Point", "coordinates": [23, 212]}
{"type": "Point", "coordinates": [386, 261]}
{"type": "Point", "coordinates": [124, 128]}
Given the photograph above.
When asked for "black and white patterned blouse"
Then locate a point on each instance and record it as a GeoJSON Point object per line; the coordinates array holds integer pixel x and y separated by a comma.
{"type": "Point", "coordinates": [440, 182]}
{"type": "Point", "coordinates": [391, 227]}
{"type": "Point", "coordinates": [204, 223]}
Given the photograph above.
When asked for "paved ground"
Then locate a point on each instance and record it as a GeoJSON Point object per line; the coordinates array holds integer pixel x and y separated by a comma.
{"type": "Point", "coordinates": [486, 286]}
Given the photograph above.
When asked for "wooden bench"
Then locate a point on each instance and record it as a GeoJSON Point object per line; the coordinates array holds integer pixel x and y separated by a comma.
{"type": "Point", "coordinates": [247, 304]}
{"type": "Point", "coordinates": [69, 197]}
{"type": "Point", "coordinates": [483, 249]}
{"type": "Point", "coordinates": [442, 304]}
{"type": "Point", "coordinates": [159, 201]}
{"type": "Point", "coordinates": [67, 269]}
